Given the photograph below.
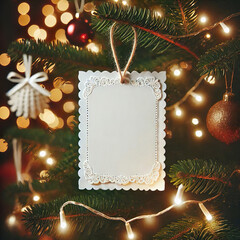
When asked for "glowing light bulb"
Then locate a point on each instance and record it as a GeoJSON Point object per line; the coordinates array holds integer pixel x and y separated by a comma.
{"type": "Point", "coordinates": [198, 133]}
{"type": "Point", "coordinates": [63, 222]}
{"type": "Point", "coordinates": [36, 198]}
{"type": "Point", "coordinates": [124, 2]}
{"type": "Point", "coordinates": [94, 48]}
{"type": "Point", "coordinates": [205, 212]}
{"type": "Point", "coordinates": [178, 198]}
{"type": "Point", "coordinates": [210, 79]}
{"type": "Point", "coordinates": [50, 161]}
{"type": "Point", "coordinates": [225, 28]}
{"type": "Point", "coordinates": [197, 97]}
{"type": "Point", "coordinates": [129, 230]}
{"type": "Point", "coordinates": [12, 220]}
{"type": "Point", "coordinates": [177, 72]}
{"type": "Point", "coordinates": [178, 112]}
{"type": "Point", "coordinates": [208, 35]}
{"type": "Point", "coordinates": [203, 19]}
{"type": "Point", "coordinates": [195, 121]}
{"type": "Point", "coordinates": [42, 153]}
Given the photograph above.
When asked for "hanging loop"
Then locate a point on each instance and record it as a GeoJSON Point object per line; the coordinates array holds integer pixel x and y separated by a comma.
{"type": "Point", "coordinates": [123, 75]}
{"type": "Point", "coordinates": [79, 8]}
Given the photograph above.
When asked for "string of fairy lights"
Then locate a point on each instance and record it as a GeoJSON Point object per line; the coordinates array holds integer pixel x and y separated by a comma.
{"type": "Point", "coordinates": [178, 201]}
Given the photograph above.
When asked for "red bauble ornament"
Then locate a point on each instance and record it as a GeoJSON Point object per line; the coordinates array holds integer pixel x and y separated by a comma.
{"type": "Point", "coordinates": [79, 31]}
{"type": "Point", "coordinates": [223, 120]}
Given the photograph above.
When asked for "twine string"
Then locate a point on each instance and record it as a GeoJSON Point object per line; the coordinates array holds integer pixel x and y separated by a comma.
{"type": "Point", "coordinates": [79, 8]}
{"type": "Point", "coordinates": [123, 75]}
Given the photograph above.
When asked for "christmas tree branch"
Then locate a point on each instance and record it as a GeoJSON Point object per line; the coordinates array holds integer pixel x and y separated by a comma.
{"type": "Point", "coordinates": [63, 57]}
{"type": "Point", "coordinates": [191, 227]}
{"type": "Point", "coordinates": [220, 59]}
{"type": "Point", "coordinates": [209, 28]}
{"type": "Point", "coordinates": [107, 13]}
{"type": "Point", "coordinates": [45, 216]}
{"type": "Point", "coordinates": [199, 176]}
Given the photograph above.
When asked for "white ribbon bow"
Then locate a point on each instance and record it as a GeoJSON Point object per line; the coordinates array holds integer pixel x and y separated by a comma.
{"type": "Point", "coordinates": [28, 79]}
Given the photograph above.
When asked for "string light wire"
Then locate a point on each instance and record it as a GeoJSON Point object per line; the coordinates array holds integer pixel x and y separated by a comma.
{"type": "Point", "coordinates": [189, 93]}
{"type": "Point", "coordinates": [129, 231]}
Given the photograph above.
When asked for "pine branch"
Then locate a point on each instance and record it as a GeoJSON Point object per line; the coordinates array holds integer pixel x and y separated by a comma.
{"type": "Point", "coordinates": [199, 176]}
{"type": "Point", "coordinates": [196, 228]}
{"type": "Point", "coordinates": [60, 138]}
{"type": "Point", "coordinates": [220, 59]}
{"type": "Point", "coordinates": [63, 57]}
{"type": "Point", "coordinates": [179, 229]}
{"type": "Point", "coordinates": [44, 218]}
{"type": "Point", "coordinates": [183, 13]}
{"type": "Point", "coordinates": [151, 30]}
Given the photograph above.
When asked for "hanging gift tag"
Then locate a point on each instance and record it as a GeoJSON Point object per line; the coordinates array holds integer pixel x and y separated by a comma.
{"type": "Point", "coordinates": [121, 127]}
{"type": "Point", "coordinates": [122, 131]}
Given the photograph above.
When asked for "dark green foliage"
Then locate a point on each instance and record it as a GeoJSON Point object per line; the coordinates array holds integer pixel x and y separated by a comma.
{"type": "Point", "coordinates": [60, 138]}
{"type": "Point", "coordinates": [199, 176]}
{"type": "Point", "coordinates": [65, 58]}
{"type": "Point", "coordinates": [183, 13]}
{"type": "Point", "coordinates": [141, 19]}
{"type": "Point", "coordinates": [44, 218]}
{"type": "Point", "coordinates": [220, 59]}
{"type": "Point", "coordinates": [192, 228]}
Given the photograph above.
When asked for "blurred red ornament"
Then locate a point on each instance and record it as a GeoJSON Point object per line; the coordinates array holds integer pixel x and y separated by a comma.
{"type": "Point", "coordinates": [79, 31]}
{"type": "Point", "coordinates": [223, 120]}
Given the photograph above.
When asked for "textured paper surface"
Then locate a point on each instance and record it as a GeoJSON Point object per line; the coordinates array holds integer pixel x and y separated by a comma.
{"type": "Point", "coordinates": [121, 134]}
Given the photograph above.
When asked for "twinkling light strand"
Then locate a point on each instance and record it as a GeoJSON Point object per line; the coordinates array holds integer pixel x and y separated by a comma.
{"type": "Point", "coordinates": [63, 222]}
{"type": "Point", "coordinates": [189, 93]}
{"type": "Point", "coordinates": [205, 28]}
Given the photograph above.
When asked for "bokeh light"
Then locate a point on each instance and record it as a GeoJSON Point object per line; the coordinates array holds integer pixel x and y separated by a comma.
{"type": "Point", "coordinates": [22, 122]}
{"type": "Point", "coordinates": [4, 59]}
{"type": "Point", "coordinates": [47, 116]}
{"type": "Point", "coordinates": [32, 29]}
{"type": "Point", "coordinates": [47, 10]}
{"type": "Point", "coordinates": [4, 112]}
{"type": "Point", "coordinates": [56, 95]}
{"type": "Point", "coordinates": [60, 123]}
{"type": "Point", "coordinates": [23, 8]}
{"type": "Point", "coordinates": [24, 20]}
{"type": "Point", "coordinates": [71, 121]}
{"type": "Point", "coordinates": [195, 121]}
{"type": "Point", "coordinates": [89, 7]}
{"type": "Point", "coordinates": [3, 145]}
{"type": "Point", "coordinates": [50, 161]}
{"type": "Point", "coordinates": [54, 1]}
{"type": "Point", "coordinates": [36, 198]}
{"type": "Point", "coordinates": [42, 153]}
{"type": "Point", "coordinates": [93, 47]}
{"type": "Point", "coordinates": [198, 133]}
{"type": "Point", "coordinates": [11, 220]}
{"type": "Point", "coordinates": [20, 67]}
{"type": "Point", "coordinates": [203, 19]}
{"type": "Point", "coordinates": [66, 17]}
{"type": "Point", "coordinates": [60, 35]}
{"type": "Point", "coordinates": [67, 87]}
{"type": "Point", "coordinates": [58, 82]}
{"type": "Point", "coordinates": [54, 124]}
{"type": "Point", "coordinates": [40, 34]}
{"type": "Point", "coordinates": [63, 5]}
{"type": "Point", "coordinates": [178, 112]}
{"type": "Point", "coordinates": [50, 21]}
{"type": "Point", "coordinates": [69, 106]}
